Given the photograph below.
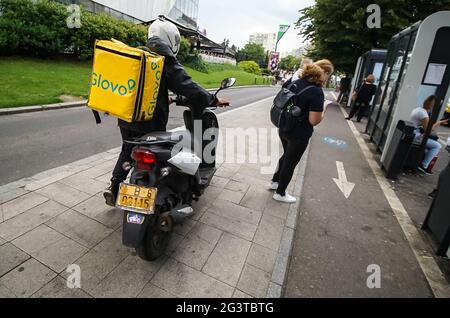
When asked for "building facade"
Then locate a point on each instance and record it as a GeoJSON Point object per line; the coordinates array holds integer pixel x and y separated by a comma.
{"type": "Point", "coordinates": [182, 11]}
{"type": "Point", "coordinates": [268, 40]}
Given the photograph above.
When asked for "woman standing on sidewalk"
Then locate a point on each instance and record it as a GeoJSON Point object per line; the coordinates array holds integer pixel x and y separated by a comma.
{"type": "Point", "coordinates": [296, 141]}
{"type": "Point", "coordinates": [362, 97]}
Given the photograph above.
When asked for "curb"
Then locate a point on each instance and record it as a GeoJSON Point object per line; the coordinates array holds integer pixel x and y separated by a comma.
{"type": "Point", "coordinates": [30, 109]}
{"type": "Point", "coordinates": [279, 273]}
{"type": "Point", "coordinates": [39, 108]}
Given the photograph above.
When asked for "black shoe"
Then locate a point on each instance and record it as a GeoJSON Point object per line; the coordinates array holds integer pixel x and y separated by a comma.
{"type": "Point", "coordinates": [425, 171]}
{"type": "Point", "coordinates": [110, 194]}
{"type": "Point", "coordinates": [348, 118]}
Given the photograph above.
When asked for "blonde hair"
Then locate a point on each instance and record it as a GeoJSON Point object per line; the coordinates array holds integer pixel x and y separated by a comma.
{"type": "Point", "coordinates": [318, 72]}
{"type": "Point", "coordinates": [371, 78]}
{"type": "Point", "coordinates": [305, 62]}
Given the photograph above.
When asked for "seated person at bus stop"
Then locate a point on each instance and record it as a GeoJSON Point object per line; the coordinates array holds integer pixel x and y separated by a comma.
{"type": "Point", "coordinates": [362, 98]}
{"type": "Point", "coordinates": [421, 120]}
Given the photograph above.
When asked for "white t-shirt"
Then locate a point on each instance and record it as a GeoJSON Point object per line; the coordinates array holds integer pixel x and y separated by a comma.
{"type": "Point", "coordinates": [418, 115]}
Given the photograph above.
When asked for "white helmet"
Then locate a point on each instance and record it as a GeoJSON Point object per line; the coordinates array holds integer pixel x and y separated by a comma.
{"type": "Point", "coordinates": [166, 31]}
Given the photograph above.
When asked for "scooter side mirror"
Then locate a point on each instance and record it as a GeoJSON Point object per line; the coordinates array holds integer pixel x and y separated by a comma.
{"type": "Point", "coordinates": [228, 82]}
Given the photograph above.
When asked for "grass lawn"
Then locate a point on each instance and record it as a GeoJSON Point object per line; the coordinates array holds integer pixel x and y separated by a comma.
{"type": "Point", "coordinates": [26, 81]}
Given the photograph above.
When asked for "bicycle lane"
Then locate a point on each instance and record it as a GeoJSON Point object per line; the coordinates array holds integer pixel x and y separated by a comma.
{"type": "Point", "coordinates": [341, 244]}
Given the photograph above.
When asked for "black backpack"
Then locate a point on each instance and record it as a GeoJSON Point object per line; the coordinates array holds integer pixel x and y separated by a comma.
{"type": "Point", "coordinates": [284, 114]}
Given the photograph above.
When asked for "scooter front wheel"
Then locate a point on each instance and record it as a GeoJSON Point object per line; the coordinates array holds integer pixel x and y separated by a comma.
{"type": "Point", "coordinates": [156, 238]}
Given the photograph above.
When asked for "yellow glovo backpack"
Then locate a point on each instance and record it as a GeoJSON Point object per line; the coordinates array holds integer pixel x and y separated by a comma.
{"type": "Point", "coordinates": [125, 81]}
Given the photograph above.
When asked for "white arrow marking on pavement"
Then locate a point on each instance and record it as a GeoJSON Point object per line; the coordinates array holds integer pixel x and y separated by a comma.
{"type": "Point", "coordinates": [342, 183]}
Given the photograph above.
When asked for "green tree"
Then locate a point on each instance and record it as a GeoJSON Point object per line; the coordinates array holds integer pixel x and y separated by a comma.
{"type": "Point", "coordinates": [252, 52]}
{"type": "Point", "coordinates": [289, 63]}
{"type": "Point", "coordinates": [338, 29]}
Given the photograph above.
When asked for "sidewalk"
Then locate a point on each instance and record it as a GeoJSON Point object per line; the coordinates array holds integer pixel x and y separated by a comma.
{"type": "Point", "coordinates": [236, 245]}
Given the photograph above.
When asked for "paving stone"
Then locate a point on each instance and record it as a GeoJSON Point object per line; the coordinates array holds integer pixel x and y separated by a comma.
{"type": "Point", "coordinates": [21, 204]}
{"type": "Point", "coordinates": [101, 260]}
{"type": "Point", "coordinates": [237, 186]}
{"type": "Point", "coordinates": [206, 233]}
{"type": "Point", "coordinates": [50, 248]}
{"type": "Point", "coordinates": [5, 292]}
{"type": "Point", "coordinates": [15, 227]}
{"type": "Point", "coordinates": [263, 183]}
{"type": "Point", "coordinates": [84, 184]}
{"type": "Point", "coordinates": [63, 194]}
{"type": "Point", "coordinates": [57, 288]}
{"type": "Point", "coordinates": [28, 278]}
{"type": "Point", "coordinates": [185, 282]}
{"type": "Point", "coordinates": [219, 182]}
{"type": "Point", "coordinates": [269, 232]}
{"type": "Point", "coordinates": [96, 209]}
{"type": "Point", "coordinates": [193, 251]}
{"type": "Point", "coordinates": [228, 258]}
{"type": "Point", "coordinates": [175, 241]}
{"type": "Point", "coordinates": [262, 257]}
{"type": "Point", "coordinates": [128, 279]}
{"type": "Point", "coordinates": [224, 172]}
{"type": "Point", "coordinates": [276, 209]}
{"type": "Point", "coordinates": [80, 228]}
{"type": "Point", "coordinates": [185, 227]}
{"type": "Point", "coordinates": [234, 226]}
{"type": "Point", "coordinates": [99, 170]}
{"type": "Point", "coordinates": [152, 291]}
{"type": "Point", "coordinates": [210, 195]}
{"type": "Point", "coordinates": [254, 282]}
{"type": "Point", "coordinates": [106, 178]}
{"type": "Point", "coordinates": [10, 258]}
{"type": "Point", "coordinates": [2, 241]}
{"type": "Point", "coordinates": [42, 183]}
{"type": "Point", "coordinates": [232, 196]}
{"type": "Point", "coordinates": [240, 294]}
{"type": "Point", "coordinates": [256, 198]}
{"type": "Point", "coordinates": [11, 195]}
{"type": "Point", "coordinates": [234, 211]}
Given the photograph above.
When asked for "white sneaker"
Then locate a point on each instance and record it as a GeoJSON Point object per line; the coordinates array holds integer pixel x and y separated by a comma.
{"type": "Point", "coordinates": [285, 199]}
{"type": "Point", "coordinates": [273, 185]}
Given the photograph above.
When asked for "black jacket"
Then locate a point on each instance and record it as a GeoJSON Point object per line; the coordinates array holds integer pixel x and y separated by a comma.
{"type": "Point", "coordinates": [365, 93]}
{"type": "Point", "coordinates": [175, 79]}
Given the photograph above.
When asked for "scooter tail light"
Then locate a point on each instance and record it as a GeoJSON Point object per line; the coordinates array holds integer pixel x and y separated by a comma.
{"type": "Point", "coordinates": [143, 156]}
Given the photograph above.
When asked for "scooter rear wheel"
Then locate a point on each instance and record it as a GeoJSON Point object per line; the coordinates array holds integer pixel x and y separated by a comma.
{"type": "Point", "coordinates": [155, 241]}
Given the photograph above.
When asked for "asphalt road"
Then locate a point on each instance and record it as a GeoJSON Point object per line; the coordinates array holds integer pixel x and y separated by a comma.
{"type": "Point", "coordinates": [34, 142]}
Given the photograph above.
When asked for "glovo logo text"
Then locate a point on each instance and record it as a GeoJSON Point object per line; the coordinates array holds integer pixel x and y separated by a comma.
{"type": "Point", "coordinates": [156, 72]}
{"type": "Point", "coordinates": [116, 88]}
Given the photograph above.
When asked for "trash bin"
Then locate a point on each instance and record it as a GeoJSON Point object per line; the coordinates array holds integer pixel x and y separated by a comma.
{"type": "Point", "coordinates": [437, 223]}
{"type": "Point", "coordinates": [398, 149]}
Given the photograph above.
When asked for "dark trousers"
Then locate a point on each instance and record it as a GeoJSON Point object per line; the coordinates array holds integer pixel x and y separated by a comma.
{"type": "Point", "coordinates": [293, 148]}
{"type": "Point", "coordinates": [119, 175]}
{"type": "Point", "coordinates": [360, 108]}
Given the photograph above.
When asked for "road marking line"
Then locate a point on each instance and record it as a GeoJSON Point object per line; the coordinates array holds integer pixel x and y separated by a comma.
{"type": "Point", "coordinates": [334, 95]}
{"type": "Point", "coordinates": [342, 183]}
{"type": "Point", "coordinates": [431, 270]}
{"type": "Point", "coordinates": [246, 106]}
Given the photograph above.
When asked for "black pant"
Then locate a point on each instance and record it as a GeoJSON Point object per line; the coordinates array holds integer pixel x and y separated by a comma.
{"type": "Point", "coordinates": [294, 149]}
{"type": "Point", "coordinates": [119, 175]}
{"type": "Point", "coordinates": [359, 107]}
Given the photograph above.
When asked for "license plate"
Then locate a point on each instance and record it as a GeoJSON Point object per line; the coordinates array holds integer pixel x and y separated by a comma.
{"type": "Point", "coordinates": [136, 198]}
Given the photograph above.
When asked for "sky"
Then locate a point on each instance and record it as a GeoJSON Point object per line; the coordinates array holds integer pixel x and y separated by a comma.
{"type": "Point", "coordinates": [237, 19]}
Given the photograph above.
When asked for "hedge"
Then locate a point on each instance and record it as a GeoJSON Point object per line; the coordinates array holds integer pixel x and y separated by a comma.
{"type": "Point", "coordinates": [39, 28]}
{"type": "Point", "coordinates": [250, 67]}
